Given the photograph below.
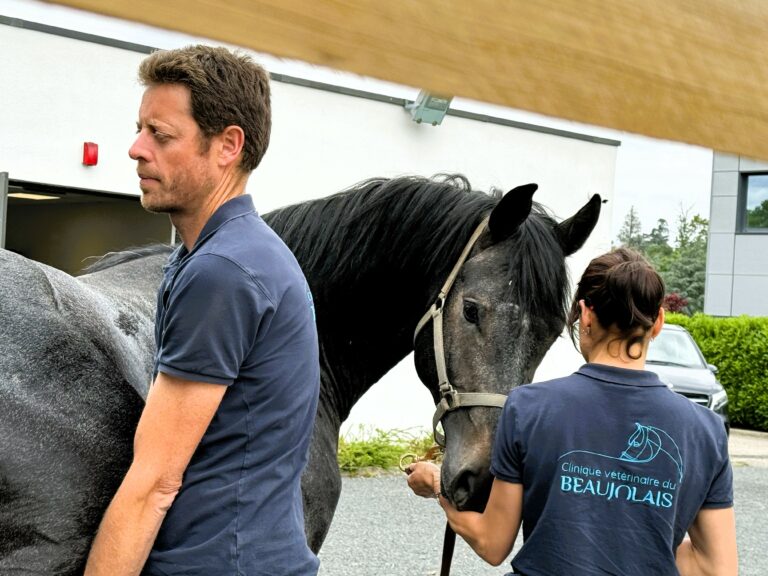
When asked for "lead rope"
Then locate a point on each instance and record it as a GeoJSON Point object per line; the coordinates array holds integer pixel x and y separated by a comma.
{"type": "Point", "coordinates": [449, 542]}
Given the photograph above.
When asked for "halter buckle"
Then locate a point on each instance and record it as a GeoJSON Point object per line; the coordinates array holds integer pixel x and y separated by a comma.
{"type": "Point", "coordinates": [449, 396]}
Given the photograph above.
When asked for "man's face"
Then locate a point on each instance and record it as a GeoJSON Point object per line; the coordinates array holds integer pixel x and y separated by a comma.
{"type": "Point", "coordinates": [176, 171]}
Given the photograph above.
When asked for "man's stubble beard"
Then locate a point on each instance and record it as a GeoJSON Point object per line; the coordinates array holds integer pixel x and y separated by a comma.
{"type": "Point", "coordinates": [173, 203]}
{"type": "Point", "coordinates": [159, 209]}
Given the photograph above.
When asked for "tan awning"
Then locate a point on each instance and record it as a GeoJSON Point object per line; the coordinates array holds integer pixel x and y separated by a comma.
{"type": "Point", "coordinates": [694, 71]}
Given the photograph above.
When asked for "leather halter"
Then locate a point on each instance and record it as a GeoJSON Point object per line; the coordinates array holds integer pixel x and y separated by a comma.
{"type": "Point", "coordinates": [450, 398]}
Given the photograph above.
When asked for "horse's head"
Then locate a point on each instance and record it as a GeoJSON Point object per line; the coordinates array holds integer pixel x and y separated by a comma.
{"type": "Point", "coordinates": [501, 315]}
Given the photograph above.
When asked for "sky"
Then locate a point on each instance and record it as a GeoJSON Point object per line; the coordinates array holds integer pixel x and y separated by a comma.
{"type": "Point", "coordinates": [660, 179]}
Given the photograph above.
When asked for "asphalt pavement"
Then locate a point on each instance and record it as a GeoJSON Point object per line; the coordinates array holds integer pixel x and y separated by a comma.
{"type": "Point", "coordinates": [382, 529]}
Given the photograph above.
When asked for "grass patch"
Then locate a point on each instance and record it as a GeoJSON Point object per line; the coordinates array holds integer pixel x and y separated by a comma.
{"type": "Point", "coordinates": [372, 451]}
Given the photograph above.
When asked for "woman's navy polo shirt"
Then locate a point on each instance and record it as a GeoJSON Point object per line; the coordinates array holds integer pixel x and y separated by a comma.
{"type": "Point", "coordinates": [614, 466]}
{"type": "Point", "coordinates": [237, 311]}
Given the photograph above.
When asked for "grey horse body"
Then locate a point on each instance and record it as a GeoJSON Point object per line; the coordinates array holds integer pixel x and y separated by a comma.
{"type": "Point", "coordinates": [75, 365]}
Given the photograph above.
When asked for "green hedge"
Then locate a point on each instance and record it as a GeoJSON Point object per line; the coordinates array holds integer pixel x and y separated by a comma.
{"type": "Point", "coordinates": [739, 349]}
{"type": "Point", "coordinates": [367, 450]}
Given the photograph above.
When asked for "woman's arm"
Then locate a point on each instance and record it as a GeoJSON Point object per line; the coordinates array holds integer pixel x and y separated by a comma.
{"type": "Point", "coordinates": [711, 549]}
{"type": "Point", "coordinates": [491, 534]}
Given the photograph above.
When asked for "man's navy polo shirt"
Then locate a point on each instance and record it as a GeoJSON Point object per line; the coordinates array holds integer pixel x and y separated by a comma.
{"type": "Point", "coordinates": [614, 467]}
{"type": "Point", "coordinates": [237, 311]}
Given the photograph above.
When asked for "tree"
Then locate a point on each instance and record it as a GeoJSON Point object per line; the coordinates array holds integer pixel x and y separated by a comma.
{"type": "Point", "coordinates": [631, 233]}
{"type": "Point", "coordinates": [758, 217]}
{"type": "Point", "coordinates": [690, 229]}
{"type": "Point", "coordinates": [657, 248]}
{"type": "Point", "coordinates": [659, 236]}
{"type": "Point", "coordinates": [686, 272]}
{"type": "Point", "coordinates": [683, 267]}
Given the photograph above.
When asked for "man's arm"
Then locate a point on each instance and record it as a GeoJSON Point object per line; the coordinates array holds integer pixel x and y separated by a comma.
{"type": "Point", "coordinates": [491, 534]}
{"type": "Point", "coordinates": [174, 420]}
{"type": "Point", "coordinates": [711, 549]}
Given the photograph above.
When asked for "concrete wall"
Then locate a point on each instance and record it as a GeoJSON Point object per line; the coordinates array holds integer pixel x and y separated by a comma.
{"type": "Point", "coordinates": [60, 92]}
{"type": "Point", "coordinates": [737, 261]}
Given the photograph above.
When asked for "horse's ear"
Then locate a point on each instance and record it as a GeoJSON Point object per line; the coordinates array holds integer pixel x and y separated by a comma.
{"type": "Point", "coordinates": [511, 211]}
{"type": "Point", "coordinates": [573, 232]}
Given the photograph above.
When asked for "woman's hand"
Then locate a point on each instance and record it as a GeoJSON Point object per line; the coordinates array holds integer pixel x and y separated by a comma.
{"type": "Point", "coordinates": [424, 479]}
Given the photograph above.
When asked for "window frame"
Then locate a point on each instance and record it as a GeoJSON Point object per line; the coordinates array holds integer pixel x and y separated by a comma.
{"type": "Point", "coordinates": [741, 205]}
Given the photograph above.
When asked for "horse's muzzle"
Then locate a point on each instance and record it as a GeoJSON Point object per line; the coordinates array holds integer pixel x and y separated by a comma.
{"type": "Point", "coordinates": [469, 489]}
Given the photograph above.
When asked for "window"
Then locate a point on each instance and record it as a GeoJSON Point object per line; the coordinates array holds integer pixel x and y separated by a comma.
{"type": "Point", "coordinates": [755, 203]}
{"type": "Point", "coordinates": [674, 348]}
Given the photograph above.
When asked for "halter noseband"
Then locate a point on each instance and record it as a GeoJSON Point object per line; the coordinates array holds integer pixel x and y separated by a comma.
{"type": "Point", "coordinates": [450, 398]}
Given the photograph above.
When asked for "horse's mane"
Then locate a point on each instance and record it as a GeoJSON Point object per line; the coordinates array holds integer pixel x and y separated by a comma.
{"type": "Point", "coordinates": [111, 259]}
{"type": "Point", "coordinates": [420, 224]}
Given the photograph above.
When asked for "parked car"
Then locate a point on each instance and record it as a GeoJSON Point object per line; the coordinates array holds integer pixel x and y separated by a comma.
{"type": "Point", "coordinates": [679, 363]}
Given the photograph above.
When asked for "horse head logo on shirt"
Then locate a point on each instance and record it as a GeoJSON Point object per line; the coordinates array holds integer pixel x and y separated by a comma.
{"type": "Point", "coordinates": [644, 445]}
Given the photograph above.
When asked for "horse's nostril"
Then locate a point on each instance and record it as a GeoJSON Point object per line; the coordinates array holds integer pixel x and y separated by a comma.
{"type": "Point", "coordinates": [470, 490]}
{"type": "Point", "coordinates": [464, 487]}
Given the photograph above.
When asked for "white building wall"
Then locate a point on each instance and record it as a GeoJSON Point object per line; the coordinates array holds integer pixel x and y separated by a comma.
{"type": "Point", "coordinates": [60, 92]}
{"type": "Point", "coordinates": [737, 262]}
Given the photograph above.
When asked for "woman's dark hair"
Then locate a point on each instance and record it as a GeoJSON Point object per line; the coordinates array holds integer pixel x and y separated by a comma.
{"type": "Point", "coordinates": [624, 291]}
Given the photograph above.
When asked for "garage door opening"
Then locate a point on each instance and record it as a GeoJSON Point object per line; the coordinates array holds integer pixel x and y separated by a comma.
{"type": "Point", "coordinates": [68, 228]}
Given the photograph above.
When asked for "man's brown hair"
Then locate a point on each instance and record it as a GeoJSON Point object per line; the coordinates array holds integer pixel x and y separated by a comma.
{"type": "Point", "coordinates": [227, 89]}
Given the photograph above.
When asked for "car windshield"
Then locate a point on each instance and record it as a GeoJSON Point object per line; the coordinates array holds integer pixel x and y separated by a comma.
{"type": "Point", "coordinates": [675, 349]}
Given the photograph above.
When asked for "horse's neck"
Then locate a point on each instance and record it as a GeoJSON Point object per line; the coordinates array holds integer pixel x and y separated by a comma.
{"type": "Point", "coordinates": [374, 256]}
{"type": "Point", "coordinates": [353, 362]}
{"type": "Point", "coordinates": [366, 326]}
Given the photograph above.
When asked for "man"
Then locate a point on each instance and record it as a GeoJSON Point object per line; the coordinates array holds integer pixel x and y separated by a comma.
{"type": "Point", "coordinates": [214, 486]}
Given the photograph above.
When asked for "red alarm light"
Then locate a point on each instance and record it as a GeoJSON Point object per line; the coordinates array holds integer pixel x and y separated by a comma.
{"type": "Point", "coordinates": [90, 153]}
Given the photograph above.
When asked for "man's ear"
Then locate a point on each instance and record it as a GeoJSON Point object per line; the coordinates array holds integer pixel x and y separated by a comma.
{"type": "Point", "coordinates": [230, 145]}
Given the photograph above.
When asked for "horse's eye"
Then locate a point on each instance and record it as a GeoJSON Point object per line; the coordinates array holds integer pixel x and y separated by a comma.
{"type": "Point", "coordinates": [470, 312]}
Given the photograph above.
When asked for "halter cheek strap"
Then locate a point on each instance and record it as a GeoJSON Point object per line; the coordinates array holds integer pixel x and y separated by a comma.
{"type": "Point", "coordinates": [450, 398]}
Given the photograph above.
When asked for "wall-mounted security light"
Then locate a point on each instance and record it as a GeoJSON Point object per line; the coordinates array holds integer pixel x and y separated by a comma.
{"type": "Point", "coordinates": [429, 108]}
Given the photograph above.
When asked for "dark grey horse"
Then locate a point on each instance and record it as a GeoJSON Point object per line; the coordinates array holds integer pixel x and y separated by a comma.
{"type": "Point", "coordinates": [75, 364]}
{"type": "Point", "coordinates": [77, 353]}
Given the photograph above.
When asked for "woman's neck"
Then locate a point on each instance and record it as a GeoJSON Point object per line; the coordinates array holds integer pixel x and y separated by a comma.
{"type": "Point", "coordinates": [621, 361]}
{"type": "Point", "coordinates": [619, 353]}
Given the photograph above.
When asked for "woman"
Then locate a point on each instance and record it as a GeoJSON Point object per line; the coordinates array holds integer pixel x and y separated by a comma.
{"type": "Point", "coordinates": [606, 468]}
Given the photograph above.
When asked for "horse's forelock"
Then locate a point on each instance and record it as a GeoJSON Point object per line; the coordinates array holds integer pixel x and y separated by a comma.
{"type": "Point", "coordinates": [537, 268]}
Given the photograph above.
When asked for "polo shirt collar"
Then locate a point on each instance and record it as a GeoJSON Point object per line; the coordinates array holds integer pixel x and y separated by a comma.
{"type": "Point", "coordinates": [622, 376]}
{"type": "Point", "coordinates": [237, 206]}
